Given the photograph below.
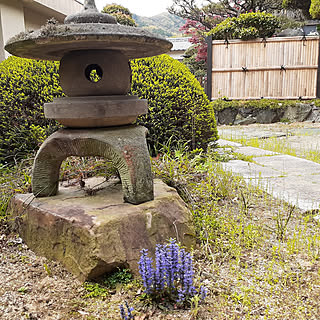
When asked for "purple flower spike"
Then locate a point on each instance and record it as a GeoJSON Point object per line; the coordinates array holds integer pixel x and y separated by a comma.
{"type": "Point", "coordinates": [122, 312]}
{"type": "Point", "coordinates": [146, 271]}
{"type": "Point", "coordinates": [130, 316]}
{"type": "Point", "coordinates": [160, 272]}
{"type": "Point", "coordinates": [203, 293]}
{"type": "Point", "coordinates": [173, 274]}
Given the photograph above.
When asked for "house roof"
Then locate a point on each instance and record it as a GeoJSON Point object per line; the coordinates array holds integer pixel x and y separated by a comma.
{"type": "Point", "coordinates": [180, 44]}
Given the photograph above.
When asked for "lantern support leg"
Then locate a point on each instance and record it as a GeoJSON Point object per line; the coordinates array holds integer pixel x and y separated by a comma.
{"type": "Point", "coordinates": [124, 146]}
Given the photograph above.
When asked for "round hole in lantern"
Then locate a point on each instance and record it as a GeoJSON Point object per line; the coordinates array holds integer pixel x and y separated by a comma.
{"type": "Point", "coordinates": [93, 73]}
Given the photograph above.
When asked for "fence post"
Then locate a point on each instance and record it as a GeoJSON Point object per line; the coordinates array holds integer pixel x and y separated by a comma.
{"type": "Point", "coordinates": [209, 68]}
{"type": "Point", "coordinates": [318, 74]}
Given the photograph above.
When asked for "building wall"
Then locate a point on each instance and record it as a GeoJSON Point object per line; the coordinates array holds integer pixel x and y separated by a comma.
{"type": "Point", "coordinates": [33, 20]}
{"type": "Point", "coordinates": [21, 15]}
{"type": "Point", "coordinates": [12, 22]}
{"type": "Point", "coordinates": [2, 57]}
{"type": "Point", "coordinates": [178, 55]}
{"type": "Point", "coordinates": [65, 7]}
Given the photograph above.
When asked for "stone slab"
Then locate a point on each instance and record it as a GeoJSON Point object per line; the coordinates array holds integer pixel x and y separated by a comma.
{"type": "Point", "coordinates": [250, 170]}
{"type": "Point", "coordinates": [294, 180]}
{"type": "Point", "coordinates": [227, 143]}
{"type": "Point", "coordinates": [289, 165]}
{"type": "Point", "coordinates": [92, 235]}
{"type": "Point", "coordinates": [255, 152]}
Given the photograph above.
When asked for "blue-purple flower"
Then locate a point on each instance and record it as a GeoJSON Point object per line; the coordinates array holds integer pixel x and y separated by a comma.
{"type": "Point", "coordinates": [126, 315]}
{"type": "Point", "coordinates": [173, 274]}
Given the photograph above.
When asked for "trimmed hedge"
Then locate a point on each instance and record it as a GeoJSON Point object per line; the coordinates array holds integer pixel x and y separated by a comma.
{"type": "Point", "coordinates": [25, 85]}
{"type": "Point", "coordinates": [179, 108]}
{"type": "Point", "coordinates": [247, 26]}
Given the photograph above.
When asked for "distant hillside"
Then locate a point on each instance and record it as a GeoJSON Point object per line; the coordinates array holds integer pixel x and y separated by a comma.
{"type": "Point", "coordinates": [163, 24]}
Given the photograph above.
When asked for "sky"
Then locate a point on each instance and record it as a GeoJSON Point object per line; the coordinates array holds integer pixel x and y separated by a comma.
{"type": "Point", "coordinates": [146, 8]}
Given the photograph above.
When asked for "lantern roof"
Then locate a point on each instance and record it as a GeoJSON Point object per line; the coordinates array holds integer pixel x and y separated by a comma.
{"type": "Point", "coordinates": [87, 30]}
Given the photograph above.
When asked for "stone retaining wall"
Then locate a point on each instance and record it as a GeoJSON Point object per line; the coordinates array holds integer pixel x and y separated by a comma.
{"type": "Point", "coordinates": [298, 113]}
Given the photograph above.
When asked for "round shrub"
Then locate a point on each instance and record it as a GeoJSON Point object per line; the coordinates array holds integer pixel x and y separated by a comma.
{"type": "Point", "coordinates": [247, 26]}
{"type": "Point", "coordinates": [179, 110]}
{"type": "Point", "coordinates": [25, 85]}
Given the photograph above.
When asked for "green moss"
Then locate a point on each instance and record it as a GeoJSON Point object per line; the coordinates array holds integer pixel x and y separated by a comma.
{"type": "Point", "coordinates": [221, 104]}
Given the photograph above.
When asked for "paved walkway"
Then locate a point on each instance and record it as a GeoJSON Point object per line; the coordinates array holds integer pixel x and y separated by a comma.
{"type": "Point", "coordinates": [295, 180]}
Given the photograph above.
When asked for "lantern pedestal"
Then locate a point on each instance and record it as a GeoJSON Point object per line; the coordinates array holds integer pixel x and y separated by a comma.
{"type": "Point", "coordinates": [124, 146]}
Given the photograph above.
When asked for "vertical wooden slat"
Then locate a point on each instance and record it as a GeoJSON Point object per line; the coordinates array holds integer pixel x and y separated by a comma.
{"type": "Point", "coordinates": [209, 68]}
{"type": "Point", "coordinates": [301, 60]}
{"type": "Point", "coordinates": [318, 74]}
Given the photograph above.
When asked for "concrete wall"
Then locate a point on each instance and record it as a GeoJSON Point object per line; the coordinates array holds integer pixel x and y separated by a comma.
{"type": "Point", "coordinates": [65, 7]}
{"type": "Point", "coordinates": [12, 21]}
{"type": "Point", "coordinates": [21, 15]}
{"type": "Point", "coordinates": [33, 20]}
{"type": "Point", "coordinates": [178, 55]}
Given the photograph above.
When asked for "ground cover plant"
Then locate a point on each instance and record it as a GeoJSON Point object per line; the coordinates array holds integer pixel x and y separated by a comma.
{"type": "Point", "coordinates": [258, 257]}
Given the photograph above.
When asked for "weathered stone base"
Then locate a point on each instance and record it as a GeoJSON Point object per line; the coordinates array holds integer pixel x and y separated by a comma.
{"type": "Point", "coordinates": [92, 235]}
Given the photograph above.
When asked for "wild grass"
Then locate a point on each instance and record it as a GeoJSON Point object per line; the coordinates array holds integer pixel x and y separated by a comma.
{"type": "Point", "coordinates": [259, 257]}
{"type": "Point", "coordinates": [13, 179]}
{"type": "Point", "coordinates": [286, 145]}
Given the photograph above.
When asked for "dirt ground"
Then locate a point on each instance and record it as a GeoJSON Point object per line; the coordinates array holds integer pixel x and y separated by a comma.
{"type": "Point", "coordinates": [32, 287]}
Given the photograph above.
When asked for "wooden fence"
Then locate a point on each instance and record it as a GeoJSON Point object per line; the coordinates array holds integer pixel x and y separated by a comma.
{"type": "Point", "coordinates": [277, 68]}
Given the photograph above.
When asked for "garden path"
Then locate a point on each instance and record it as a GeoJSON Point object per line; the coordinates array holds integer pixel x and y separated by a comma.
{"type": "Point", "coordinates": [287, 177]}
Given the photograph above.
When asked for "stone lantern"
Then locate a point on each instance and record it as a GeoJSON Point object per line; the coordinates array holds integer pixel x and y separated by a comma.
{"type": "Point", "coordinates": [94, 53]}
{"type": "Point", "coordinates": [98, 116]}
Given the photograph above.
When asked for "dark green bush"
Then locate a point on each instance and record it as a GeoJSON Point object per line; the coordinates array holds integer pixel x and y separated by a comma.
{"type": "Point", "coordinates": [247, 26]}
{"type": "Point", "coordinates": [178, 105]}
{"type": "Point", "coordinates": [25, 85]}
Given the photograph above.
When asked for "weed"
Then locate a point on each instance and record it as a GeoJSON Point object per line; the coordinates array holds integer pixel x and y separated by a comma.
{"type": "Point", "coordinates": [121, 276]}
{"type": "Point", "coordinates": [282, 220]}
{"type": "Point", "coordinates": [47, 269]}
{"type": "Point", "coordinates": [23, 290]}
{"type": "Point", "coordinates": [94, 290]}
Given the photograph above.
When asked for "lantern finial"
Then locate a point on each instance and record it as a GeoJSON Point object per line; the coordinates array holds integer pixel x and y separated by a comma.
{"type": "Point", "coordinates": [90, 14]}
{"type": "Point", "coordinates": [90, 5]}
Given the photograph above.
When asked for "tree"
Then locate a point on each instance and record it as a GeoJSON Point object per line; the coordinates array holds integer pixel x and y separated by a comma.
{"type": "Point", "coordinates": [302, 5]}
{"type": "Point", "coordinates": [201, 20]}
{"type": "Point", "coordinates": [208, 15]}
{"type": "Point", "coordinates": [122, 14]}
